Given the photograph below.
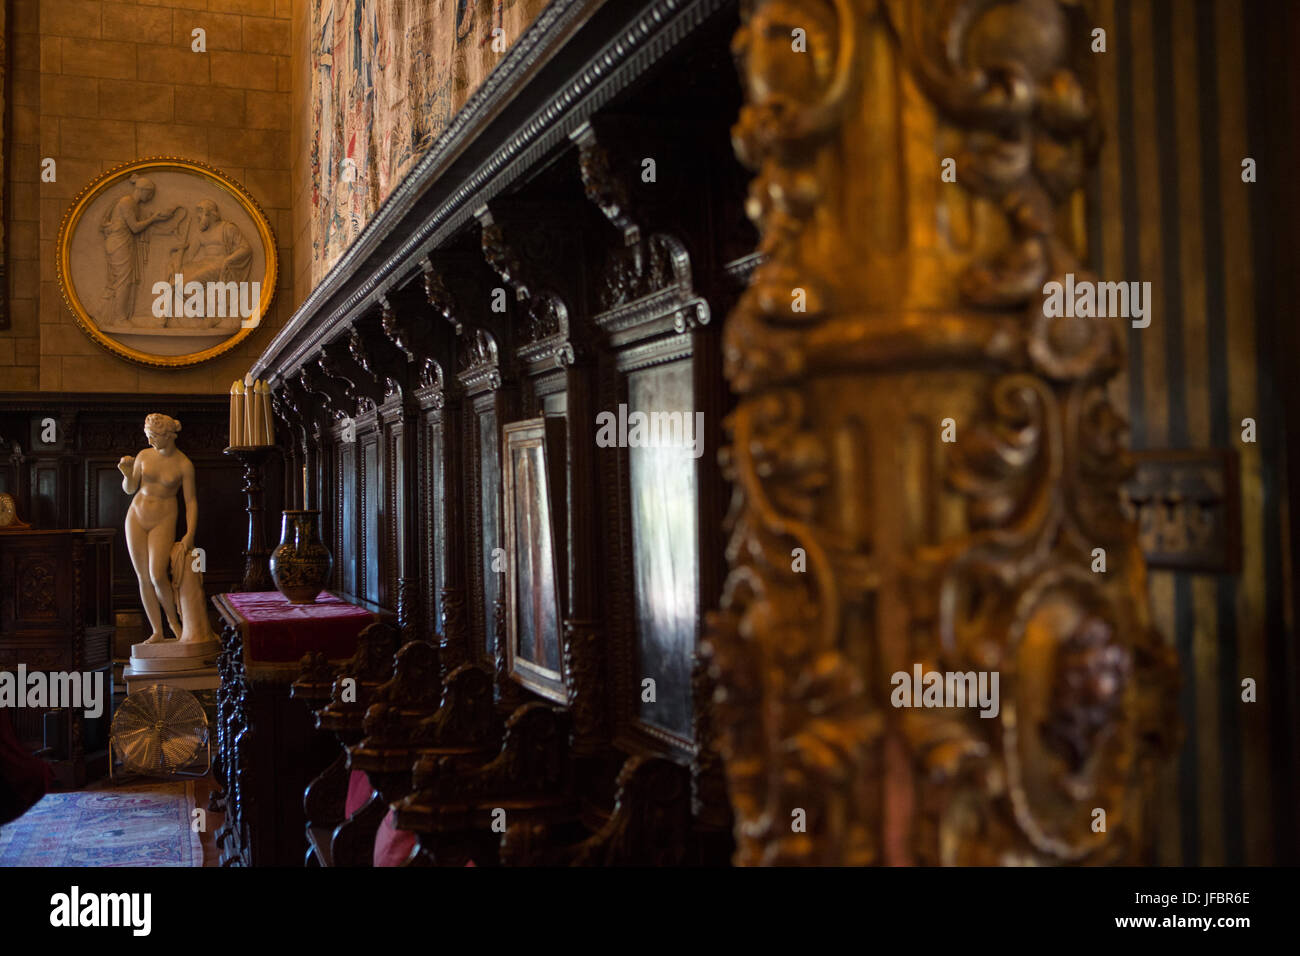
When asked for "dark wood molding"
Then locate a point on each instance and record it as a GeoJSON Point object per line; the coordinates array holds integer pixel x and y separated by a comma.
{"type": "Point", "coordinates": [575, 58]}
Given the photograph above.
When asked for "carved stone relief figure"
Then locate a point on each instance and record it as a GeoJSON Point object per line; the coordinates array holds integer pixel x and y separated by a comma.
{"type": "Point", "coordinates": [126, 250]}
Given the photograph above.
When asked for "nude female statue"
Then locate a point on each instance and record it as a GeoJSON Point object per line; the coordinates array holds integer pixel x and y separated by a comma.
{"type": "Point", "coordinates": [154, 476]}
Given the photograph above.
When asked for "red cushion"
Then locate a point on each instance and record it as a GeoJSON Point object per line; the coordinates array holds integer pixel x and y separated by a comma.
{"type": "Point", "coordinates": [392, 846]}
{"type": "Point", "coordinates": [359, 793]}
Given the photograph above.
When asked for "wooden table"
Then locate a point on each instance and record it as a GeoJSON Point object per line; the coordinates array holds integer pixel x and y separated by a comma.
{"type": "Point", "coordinates": [267, 748]}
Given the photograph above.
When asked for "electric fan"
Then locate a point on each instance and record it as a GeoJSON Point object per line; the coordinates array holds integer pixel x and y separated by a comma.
{"type": "Point", "coordinates": [160, 731]}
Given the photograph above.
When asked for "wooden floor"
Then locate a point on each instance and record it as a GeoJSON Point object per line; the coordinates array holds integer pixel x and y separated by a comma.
{"type": "Point", "coordinates": [202, 791]}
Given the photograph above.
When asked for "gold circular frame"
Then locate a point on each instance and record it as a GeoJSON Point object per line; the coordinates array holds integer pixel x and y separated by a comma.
{"type": "Point", "coordinates": [92, 191]}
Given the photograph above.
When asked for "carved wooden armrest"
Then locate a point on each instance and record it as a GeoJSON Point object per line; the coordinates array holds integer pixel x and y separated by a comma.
{"type": "Point", "coordinates": [533, 761]}
{"type": "Point", "coordinates": [466, 715]}
{"type": "Point", "coordinates": [315, 679]}
{"type": "Point", "coordinates": [651, 824]}
{"type": "Point", "coordinates": [357, 682]}
{"type": "Point", "coordinates": [459, 804]}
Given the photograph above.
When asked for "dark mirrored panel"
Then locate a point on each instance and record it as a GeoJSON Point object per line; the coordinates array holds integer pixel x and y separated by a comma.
{"type": "Point", "coordinates": [665, 558]}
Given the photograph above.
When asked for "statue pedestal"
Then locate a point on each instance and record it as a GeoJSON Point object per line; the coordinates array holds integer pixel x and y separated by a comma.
{"type": "Point", "coordinates": [172, 656]}
{"type": "Point", "coordinates": [190, 666]}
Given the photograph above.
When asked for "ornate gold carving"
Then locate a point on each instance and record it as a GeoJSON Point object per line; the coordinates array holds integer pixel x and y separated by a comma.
{"type": "Point", "coordinates": [861, 544]}
{"type": "Point", "coordinates": [1003, 74]}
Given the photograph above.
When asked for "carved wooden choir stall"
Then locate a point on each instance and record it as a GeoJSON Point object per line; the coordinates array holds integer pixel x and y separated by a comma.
{"type": "Point", "coordinates": [567, 678]}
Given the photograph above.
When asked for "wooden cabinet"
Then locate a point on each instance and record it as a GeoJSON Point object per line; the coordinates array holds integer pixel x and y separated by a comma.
{"type": "Point", "coordinates": [267, 747]}
{"type": "Point", "coordinates": [56, 616]}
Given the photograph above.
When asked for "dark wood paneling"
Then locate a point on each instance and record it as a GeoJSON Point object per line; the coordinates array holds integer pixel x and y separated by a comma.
{"type": "Point", "coordinates": [54, 618]}
{"type": "Point", "coordinates": [577, 290]}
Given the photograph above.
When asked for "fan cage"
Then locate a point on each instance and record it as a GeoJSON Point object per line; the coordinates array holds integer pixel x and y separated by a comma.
{"type": "Point", "coordinates": [160, 731]}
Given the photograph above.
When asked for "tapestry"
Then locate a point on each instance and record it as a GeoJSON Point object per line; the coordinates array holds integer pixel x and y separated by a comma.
{"type": "Point", "coordinates": [387, 77]}
{"type": "Point", "coordinates": [4, 158]}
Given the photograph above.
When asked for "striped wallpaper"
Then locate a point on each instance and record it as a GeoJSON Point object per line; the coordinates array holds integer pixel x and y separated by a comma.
{"type": "Point", "coordinates": [1183, 100]}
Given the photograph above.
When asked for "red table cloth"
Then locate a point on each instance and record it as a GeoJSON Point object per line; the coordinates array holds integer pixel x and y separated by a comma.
{"type": "Point", "coordinates": [275, 630]}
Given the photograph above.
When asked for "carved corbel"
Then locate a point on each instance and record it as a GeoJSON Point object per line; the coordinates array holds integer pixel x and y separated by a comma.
{"type": "Point", "coordinates": [414, 339]}
{"type": "Point", "coordinates": [546, 314]}
{"type": "Point", "coordinates": [339, 360]}
{"type": "Point", "coordinates": [331, 392]}
{"type": "Point", "coordinates": [439, 296]}
{"type": "Point", "coordinates": [605, 188]}
{"type": "Point", "coordinates": [310, 414]}
{"type": "Point", "coordinates": [294, 436]}
{"type": "Point", "coordinates": [284, 410]}
{"type": "Point", "coordinates": [501, 256]}
{"type": "Point", "coordinates": [642, 264]}
{"type": "Point", "coordinates": [378, 353]}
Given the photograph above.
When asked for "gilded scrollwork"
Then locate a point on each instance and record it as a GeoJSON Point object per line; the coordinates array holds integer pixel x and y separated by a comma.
{"type": "Point", "coordinates": [1002, 550]}
{"type": "Point", "coordinates": [1006, 74]}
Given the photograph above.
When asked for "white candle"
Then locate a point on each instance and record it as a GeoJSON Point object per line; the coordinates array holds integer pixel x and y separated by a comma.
{"type": "Point", "coordinates": [237, 414]}
{"type": "Point", "coordinates": [251, 414]}
{"type": "Point", "coordinates": [233, 431]}
{"type": "Point", "coordinates": [268, 419]}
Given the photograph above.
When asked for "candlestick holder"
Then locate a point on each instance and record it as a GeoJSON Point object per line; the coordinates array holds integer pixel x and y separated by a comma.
{"type": "Point", "coordinates": [257, 574]}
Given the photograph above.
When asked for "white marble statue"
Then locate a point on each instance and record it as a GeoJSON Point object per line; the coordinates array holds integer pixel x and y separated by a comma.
{"type": "Point", "coordinates": [169, 582]}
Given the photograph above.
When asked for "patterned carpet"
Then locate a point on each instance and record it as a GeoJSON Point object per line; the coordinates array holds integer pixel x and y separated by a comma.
{"type": "Point", "coordinates": [142, 824]}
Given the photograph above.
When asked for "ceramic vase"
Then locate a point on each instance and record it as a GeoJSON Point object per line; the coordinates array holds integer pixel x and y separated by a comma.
{"type": "Point", "coordinates": [300, 563]}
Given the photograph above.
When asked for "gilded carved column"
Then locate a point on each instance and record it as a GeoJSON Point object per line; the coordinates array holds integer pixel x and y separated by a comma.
{"type": "Point", "coordinates": [897, 308]}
